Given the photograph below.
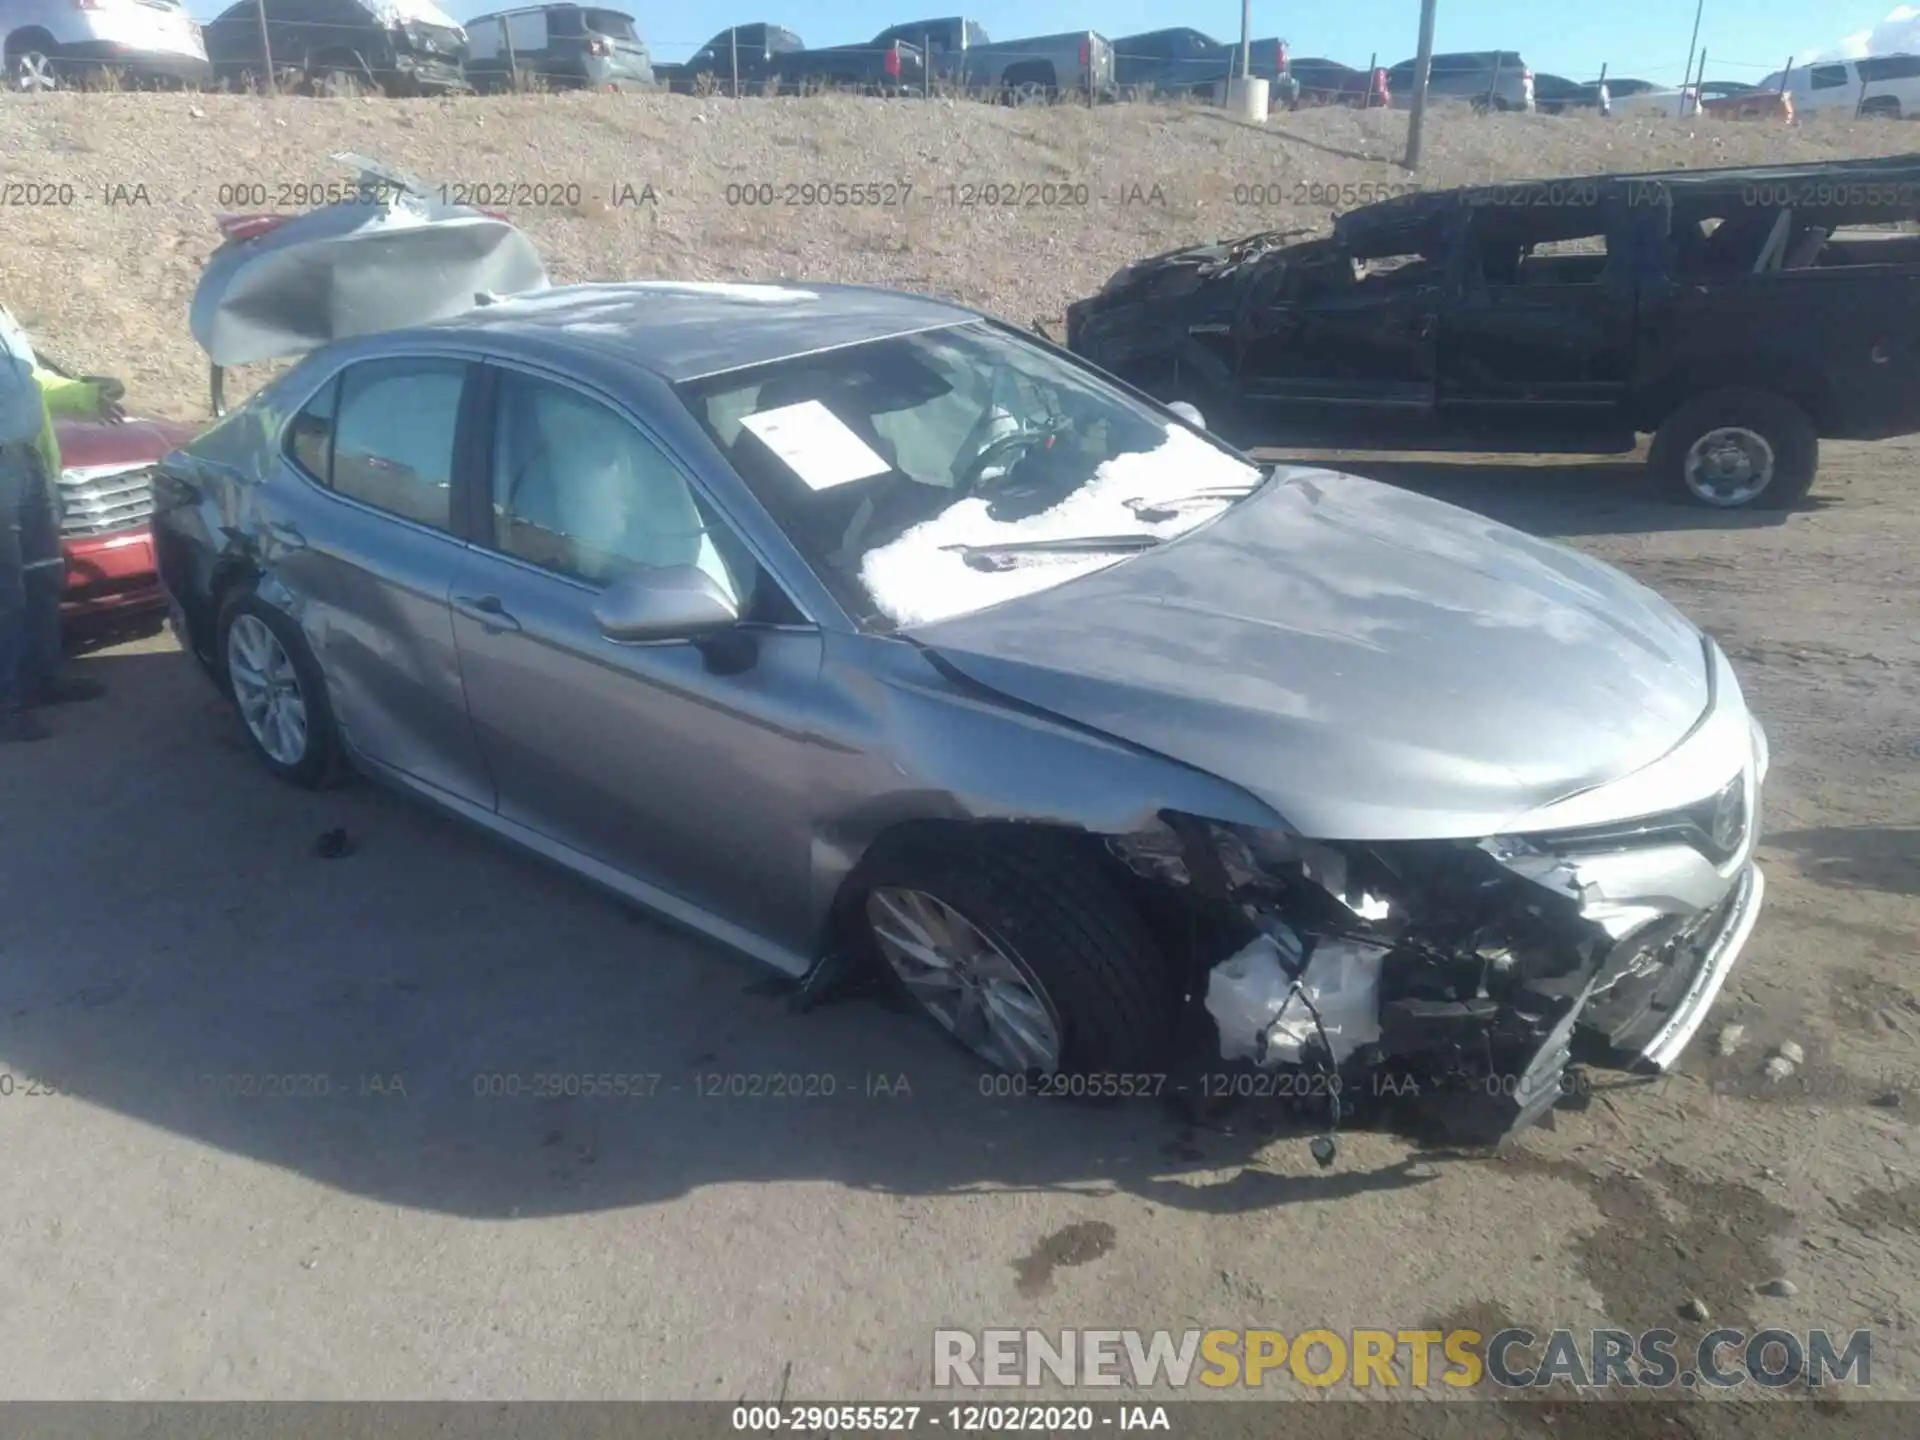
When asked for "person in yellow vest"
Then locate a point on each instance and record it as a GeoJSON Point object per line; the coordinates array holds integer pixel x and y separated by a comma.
{"type": "Point", "coordinates": [32, 568]}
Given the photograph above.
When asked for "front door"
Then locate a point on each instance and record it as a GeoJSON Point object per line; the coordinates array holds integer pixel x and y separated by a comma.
{"type": "Point", "coordinates": [367, 551]}
{"type": "Point", "coordinates": [1347, 339]}
{"type": "Point", "coordinates": [672, 768]}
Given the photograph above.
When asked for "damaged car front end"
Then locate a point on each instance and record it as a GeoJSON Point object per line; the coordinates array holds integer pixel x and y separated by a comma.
{"type": "Point", "coordinates": [1515, 795]}
{"type": "Point", "coordinates": [1480, 970]}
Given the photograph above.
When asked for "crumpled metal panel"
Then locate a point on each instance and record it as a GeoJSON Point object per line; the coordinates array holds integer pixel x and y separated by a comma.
{"type": "Point", "coordinates": [357, 268]}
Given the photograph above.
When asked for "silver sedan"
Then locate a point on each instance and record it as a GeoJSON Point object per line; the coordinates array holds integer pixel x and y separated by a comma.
{"type": "Point", "coordinates": [855, 629]}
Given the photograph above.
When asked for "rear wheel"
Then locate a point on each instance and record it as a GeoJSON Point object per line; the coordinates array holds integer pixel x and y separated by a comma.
{"type": "Point", "coordinates": [1021, 947]}
{"type": "Point", "coordinates": [1881, 107]}
{"type": "Point", "coordinates": [276, 685]}
{"type": "Point", "coordinates": [1737, 448]}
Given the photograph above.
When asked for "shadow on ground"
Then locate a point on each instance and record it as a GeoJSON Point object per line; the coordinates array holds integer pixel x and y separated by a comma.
{"type": "Point", "coordinates": [383, 1012]}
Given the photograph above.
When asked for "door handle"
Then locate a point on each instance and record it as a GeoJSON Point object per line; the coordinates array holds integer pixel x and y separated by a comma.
{"type": "Point", "coordinates": [487, 610]}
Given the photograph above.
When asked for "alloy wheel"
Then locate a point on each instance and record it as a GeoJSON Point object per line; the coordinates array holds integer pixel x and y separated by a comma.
{"type": "Point", "coordinates": [1729, 466]}
{"type": "Point", "coordinates": [33, 71]}
{"type": "Point", "coordinates": [267, 689]}
{"type": "Point", "coordinates": [984, 997]}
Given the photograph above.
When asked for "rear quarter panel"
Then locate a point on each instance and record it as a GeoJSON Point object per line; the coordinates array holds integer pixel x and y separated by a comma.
{"type": "Point", "coordinates": [1843, 343]}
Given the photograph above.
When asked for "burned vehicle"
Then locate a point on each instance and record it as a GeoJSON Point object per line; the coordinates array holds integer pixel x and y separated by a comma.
{"type": "Point", "coordinates": [1737, 316]}
{"type": "Point", "coordinates": [861, 632]}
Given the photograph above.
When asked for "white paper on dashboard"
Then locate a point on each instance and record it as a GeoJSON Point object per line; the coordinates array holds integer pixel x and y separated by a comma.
{"type": "Point", "coordinates": [816, 444]}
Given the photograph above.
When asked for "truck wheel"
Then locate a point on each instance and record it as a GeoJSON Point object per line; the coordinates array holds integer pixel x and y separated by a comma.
{"type": "Point", "coordinates": [1736, 448]}
{"type": "Point", "coordinates": [1021, 948]}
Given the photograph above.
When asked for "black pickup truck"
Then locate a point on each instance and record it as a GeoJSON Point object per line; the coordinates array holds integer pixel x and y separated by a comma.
{"type": "Point", "coordinates": [763, 56]}
{"type": "Point", "coordinates": [1737, 316]}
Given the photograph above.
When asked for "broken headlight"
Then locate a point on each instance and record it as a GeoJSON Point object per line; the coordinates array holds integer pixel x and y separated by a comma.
{"type": "Point", "coordinates": [1184, 850]}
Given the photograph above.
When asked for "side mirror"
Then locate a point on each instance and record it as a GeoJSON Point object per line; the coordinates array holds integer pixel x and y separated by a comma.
{"type": "Point", "coordinates": [677, 602]}
{"type": "Point", "coordinates": [1189, 413]}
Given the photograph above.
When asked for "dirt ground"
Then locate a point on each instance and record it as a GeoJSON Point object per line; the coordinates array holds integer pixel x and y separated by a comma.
{"type": "Point", "coordinates": [169, 921]}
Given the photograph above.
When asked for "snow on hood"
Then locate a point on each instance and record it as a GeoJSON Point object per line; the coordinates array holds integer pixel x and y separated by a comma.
{"type": "Point", "coordinates": [915, 580]}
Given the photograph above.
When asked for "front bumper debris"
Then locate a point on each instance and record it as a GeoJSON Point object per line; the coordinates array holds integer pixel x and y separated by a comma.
{"type": "Point", "coordinates": [1704, 988]}
{"type": "Point", "coordinates": [1492, 1024]}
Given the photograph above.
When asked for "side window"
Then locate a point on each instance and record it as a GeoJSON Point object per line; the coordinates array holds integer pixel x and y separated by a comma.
{"type": "Point", "coordinates": [578, 490]}
{"type": "Point", "coordinates": [527, 31]}
{"type": "Point", "coordinates": [1889, 67]}
{"type": "Point", "coordinates": [309, 442]}
{"type": "Point", "coordinates": [393, 436]}
{"type": "Point", "coordinates": [483, 38]}
{"type": "Point", "coordinates": [1572, 251]}
{"type": "Point", "coordinates": [1826, 77]}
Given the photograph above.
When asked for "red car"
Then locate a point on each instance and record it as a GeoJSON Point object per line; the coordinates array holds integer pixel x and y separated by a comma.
{"type": "Point", "coordinates": [106, 495]}
{"type": "Point", "coordinates": [1328, 82]}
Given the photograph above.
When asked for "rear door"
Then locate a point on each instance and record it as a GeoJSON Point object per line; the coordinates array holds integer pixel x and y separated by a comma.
{"type": "Point", "coordinates": [530, 43]}
{"type": "Point", "coordinates": [1542, 326]}
{"type": "Point", "coordinates": [1351, 335]}
{"type": "Point", "coordinates": [366, 545]}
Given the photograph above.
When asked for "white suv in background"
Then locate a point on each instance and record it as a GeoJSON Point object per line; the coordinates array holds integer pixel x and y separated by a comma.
{"type": "Point", "coordinates": [60, 44]}
{"type": "Point", "coordinates": [1886, 85]}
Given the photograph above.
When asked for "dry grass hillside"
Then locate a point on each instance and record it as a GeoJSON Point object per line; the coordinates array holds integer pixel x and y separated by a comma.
{"type": "Point", "coordinates": [111, 198]}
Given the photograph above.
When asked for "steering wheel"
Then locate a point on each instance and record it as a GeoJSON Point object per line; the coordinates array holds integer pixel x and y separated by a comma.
{"type": "Point", "coordinates": [1005, 449]}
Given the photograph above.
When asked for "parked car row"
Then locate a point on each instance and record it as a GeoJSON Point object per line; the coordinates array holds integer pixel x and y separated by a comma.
{"type": "Point", "coordinates": [414, 47]}
{"type": "Point", "coordinates": [869, 635]}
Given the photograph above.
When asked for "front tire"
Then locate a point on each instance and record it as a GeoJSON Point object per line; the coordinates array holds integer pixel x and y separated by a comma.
{"type": "Point", "coordinates": [275, 685]}
{"type": "Point", "coordinates": [1021, 947]}
{"type": "Point", "coordinates": [31, 68]}
{"type": "Point", "coordinates": [1736, 448]}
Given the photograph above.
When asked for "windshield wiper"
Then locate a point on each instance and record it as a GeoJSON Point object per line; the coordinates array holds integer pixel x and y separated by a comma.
{"type": "Point", "coordinates": [1153, 512]}
{"type": "Point", "coordinates": [1001, 556]}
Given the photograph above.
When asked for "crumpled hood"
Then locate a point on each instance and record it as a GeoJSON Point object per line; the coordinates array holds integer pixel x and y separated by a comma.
{"type": "Point", "coordinates": [1372, 663]}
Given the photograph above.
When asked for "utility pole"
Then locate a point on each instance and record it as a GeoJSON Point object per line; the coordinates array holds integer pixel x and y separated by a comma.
{"type": "Point", "coordinates": [267, 85]}
{"type": "Point", "coordinates": [1698, 9]}
{"type": "Point", "coordinates": [1246, 38]}
{"type": "Point", "coordinates": [1423, 63]}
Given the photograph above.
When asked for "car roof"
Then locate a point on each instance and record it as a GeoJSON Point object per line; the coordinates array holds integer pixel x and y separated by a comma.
{"type": "Point", "coordinates": [683, 330]}
{"type": "Point", "coordinates": [554, 5]}
{"type": "Point", "coordinates": [1409, 210]}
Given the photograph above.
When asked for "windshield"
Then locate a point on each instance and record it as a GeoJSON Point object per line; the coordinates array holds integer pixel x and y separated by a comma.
{"type": "Point", "coordinates": [932, 475]}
